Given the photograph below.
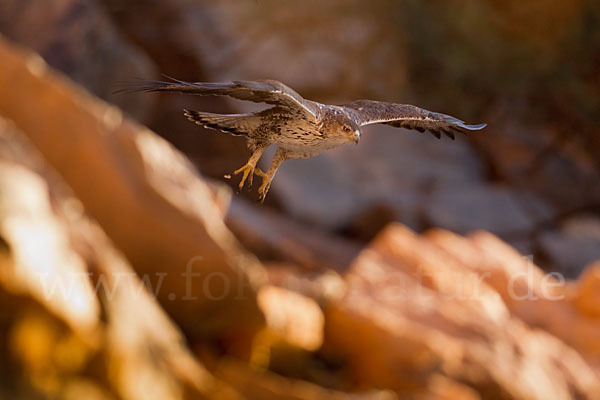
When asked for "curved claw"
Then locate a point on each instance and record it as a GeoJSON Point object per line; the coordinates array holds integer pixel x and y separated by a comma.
{"type": "Point", "coordinates": [264, 187]}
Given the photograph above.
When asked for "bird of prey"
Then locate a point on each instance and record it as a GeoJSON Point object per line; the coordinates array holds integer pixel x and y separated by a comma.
{"type": "Point", "coordinates": [299, 127]}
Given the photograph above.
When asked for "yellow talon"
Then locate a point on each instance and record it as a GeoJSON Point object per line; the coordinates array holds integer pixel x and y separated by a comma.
{"type": "Point", "coordinates": [248, 171]}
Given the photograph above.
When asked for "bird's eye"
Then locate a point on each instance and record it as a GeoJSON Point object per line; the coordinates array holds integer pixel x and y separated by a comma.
{"type": "Point", "coordinates": [346, 129]}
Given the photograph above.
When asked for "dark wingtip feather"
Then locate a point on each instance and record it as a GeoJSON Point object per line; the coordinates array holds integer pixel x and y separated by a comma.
{"type": "Point", "coordinates": [448, 132]}
{"type": "Point", "coordinates": [435, 133]}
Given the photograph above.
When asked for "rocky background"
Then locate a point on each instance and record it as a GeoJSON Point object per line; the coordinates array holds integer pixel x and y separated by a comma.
{"type": "Point", "coordinates": [406, 267]}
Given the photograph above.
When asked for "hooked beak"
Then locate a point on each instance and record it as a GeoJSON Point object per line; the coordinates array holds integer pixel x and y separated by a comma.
{"type": "Point", "coordinates": [356, 137]}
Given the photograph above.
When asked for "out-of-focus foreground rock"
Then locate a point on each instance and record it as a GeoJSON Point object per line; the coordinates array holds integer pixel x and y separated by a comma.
{"type": "Point", "coordinates": [469, 310]}
{"type": "Point", "coordinates": [119, 279]}
{"type": "Point", "coordinates": [76, 320]}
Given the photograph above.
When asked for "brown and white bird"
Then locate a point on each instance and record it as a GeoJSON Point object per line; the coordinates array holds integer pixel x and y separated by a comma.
{"type": "Point", "coordinates": [300, 128]}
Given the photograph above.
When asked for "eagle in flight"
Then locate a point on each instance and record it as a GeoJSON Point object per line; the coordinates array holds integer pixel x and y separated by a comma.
{"type": "Point", "coordinates": [299, 127]}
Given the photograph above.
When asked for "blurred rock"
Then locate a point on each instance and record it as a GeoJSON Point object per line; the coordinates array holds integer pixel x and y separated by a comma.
{"type": "Point", "coordinates": [320, 191]}
{"type": "Point", "coordinates": [195, 264]}
{"type": "Point", "coordinates": [535, 158]}
{"type": "Point", "coordinates": [412, 306]}
{"type": "Point", "coordinates": [76, 321]}
{"type": "Point", "coordinates": [501, 210]}
{"type": "Point", "coordinates": [179, 35]}
{"type": "Point", "coordinates": [293, 317]}
{"type": "Point", "coordinates": [321, 286]}
{"type": "Point", "coordinates": [78, 38]}
{"type": "Point", "coordinates": [40, 260]}
{"type": "Point", "coordinates": [271, 236]}
{"type": "Point", "coordinates": [588, 293]}
{"type": "Point", "coordinates": [442, 388]}
{"type": "Point", "coordinates": [545, 301]}
{"type": "Point", "coordinates": [264, 385]}
{"type": "Point", "coordinates": [575, 245]}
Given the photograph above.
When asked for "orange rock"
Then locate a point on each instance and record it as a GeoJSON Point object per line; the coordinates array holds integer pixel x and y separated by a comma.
{"type": "Point", "coordinates": [292, 317]}
{"type": "Point", "coordinates": [68, 298]}
{"type": "Point", "coordinates": [265, 385]}
{"type": "Point", "coordinates": [442, 388]}
{"type": "Point", "coordinates": [541, 300]}
{"type": "Point", "coordinates": [269, 234]}
{"type": "Point", "coordinates": [587, 299]}
{"type": "Point", "coordinates": [408, 316]}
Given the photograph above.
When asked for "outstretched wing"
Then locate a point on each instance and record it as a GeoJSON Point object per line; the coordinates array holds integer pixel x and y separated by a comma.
{"type": "Point", "coordinates": [261, 91]}
{"type": "Point", "coordinates": [366, 112]}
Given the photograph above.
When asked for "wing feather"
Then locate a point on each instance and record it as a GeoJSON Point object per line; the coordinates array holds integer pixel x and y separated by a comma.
{"type": "Point", "coordinates": [367, 112]}
{"type": "Point", "coordinates": [261, 91]}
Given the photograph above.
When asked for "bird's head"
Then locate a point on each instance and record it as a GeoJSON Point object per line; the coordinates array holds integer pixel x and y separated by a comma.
{"type": "Point", "coordinates": [348, 130]}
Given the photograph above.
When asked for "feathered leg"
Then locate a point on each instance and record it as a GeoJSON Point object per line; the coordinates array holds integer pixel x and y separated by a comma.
{"type": "Point", "coordinates": [279, 157]}
{"type": "Point", "coordinates": [250, 167]}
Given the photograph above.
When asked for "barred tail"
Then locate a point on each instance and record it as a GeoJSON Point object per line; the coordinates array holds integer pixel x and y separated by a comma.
{"type": "Point", "coordinates": [235, 124]}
